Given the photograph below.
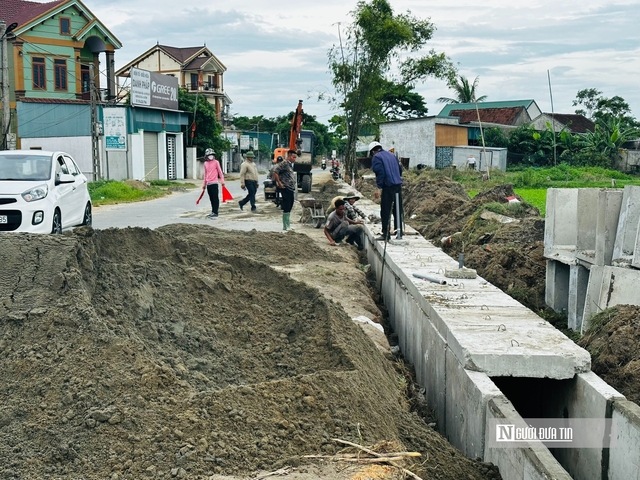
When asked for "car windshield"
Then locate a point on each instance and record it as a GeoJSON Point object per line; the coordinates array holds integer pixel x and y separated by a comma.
{"type": "Point", "coordinates": [25, 167]}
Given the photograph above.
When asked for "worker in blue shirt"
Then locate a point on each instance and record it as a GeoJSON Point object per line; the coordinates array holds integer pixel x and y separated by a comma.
{"type": "Point", "coordinates": [388, 179]}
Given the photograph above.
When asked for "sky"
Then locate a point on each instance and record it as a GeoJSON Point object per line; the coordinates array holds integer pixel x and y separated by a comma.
{"type": "Point", "coordinates": [276, 51]}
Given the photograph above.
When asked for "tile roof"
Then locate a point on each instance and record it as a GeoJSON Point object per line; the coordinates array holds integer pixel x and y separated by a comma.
{"type": "Point", "coordinates": [22, 11]}
{"type": "Point", "coordinates": [197, 63]}
{"type": "Point", "coordinates": [180, 54]}
{"type": "Point", "coordinates": [576, 123]}
{"type": "Point", "coordinates": [502, 116]}
{"type": "Point", "coordinates": [484, 105]}
{"type": "Point", "coordinates": [53, 100]}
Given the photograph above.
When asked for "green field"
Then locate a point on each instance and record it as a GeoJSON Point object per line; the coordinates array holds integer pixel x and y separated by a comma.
{"type": "Point", "coordinates": [532, 183]}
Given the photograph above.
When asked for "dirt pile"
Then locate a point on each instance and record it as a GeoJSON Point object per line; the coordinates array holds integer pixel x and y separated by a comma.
{"type": "Point", "coordinates": [613, 340]}
{"type": "Point", "coordinates": [174, 353]}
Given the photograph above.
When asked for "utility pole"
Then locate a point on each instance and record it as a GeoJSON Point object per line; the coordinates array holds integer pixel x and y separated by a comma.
{"type": "Point", "coordinates": [95, 155]}
{"type": "Point", "coordinates": [6, 113]}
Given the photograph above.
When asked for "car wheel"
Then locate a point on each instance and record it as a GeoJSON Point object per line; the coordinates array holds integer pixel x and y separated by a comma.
{"type": "Point", "coordinates": [87, 218]}
{"type": "Point", "coordinates": [57, 222]}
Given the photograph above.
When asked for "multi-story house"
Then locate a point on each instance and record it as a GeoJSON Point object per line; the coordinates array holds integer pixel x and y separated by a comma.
{"type": "Point", "coordinates": [196, 68]}
{"type": "Point", "coordinates": [51, 52]}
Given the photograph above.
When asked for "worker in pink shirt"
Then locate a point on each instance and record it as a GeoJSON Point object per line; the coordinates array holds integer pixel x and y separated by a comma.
{"type": "Point", "coordinates": [212, 175]}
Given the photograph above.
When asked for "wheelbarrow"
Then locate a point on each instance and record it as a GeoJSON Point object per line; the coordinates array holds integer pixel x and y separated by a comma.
{"type": "Point", "coordinates": [312, 212]}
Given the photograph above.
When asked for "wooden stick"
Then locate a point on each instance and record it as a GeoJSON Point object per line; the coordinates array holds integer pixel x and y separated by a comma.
{"type": "Point", "coordinates": [357, 455]}
{"type": "Point", "coordinates": [375, 454]}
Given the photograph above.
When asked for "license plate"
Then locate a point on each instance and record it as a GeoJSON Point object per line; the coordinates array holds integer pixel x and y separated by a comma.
{"type": "Point", "coordinates": [4, 219]}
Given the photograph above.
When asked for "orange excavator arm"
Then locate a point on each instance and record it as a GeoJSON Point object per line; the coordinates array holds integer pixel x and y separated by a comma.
{"type": "Point", "coordinates": [295, 142]}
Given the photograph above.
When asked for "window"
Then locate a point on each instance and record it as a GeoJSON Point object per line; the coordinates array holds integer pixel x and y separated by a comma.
{"type": "Point", "coordinates": [39, 81]}
{"type": "Point", "coordinates": [65, 26]}
{"type": "Point", "coordinates": [60, 68]}
{"type": "Point", "coordinates": [71, 166]}
{"type": "Point", "coordinates": [84, 78]}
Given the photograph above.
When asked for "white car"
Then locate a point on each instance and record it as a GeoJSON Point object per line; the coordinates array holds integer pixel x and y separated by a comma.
{"type": "Point", "coordinates": [41, 192]}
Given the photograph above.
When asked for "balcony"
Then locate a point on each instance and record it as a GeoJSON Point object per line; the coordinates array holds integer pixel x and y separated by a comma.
{"type": "Point", "coordinates": [205, 89]}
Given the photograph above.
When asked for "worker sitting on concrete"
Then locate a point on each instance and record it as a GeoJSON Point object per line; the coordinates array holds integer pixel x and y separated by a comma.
{"type": "Point", "coordinates": [339, 226]}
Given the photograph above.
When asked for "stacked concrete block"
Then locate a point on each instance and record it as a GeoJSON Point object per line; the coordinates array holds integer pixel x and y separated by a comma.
{"type": "Point", "coordinates": [627, 232]}
{"type": "Point", "coordinates": [586, 228]}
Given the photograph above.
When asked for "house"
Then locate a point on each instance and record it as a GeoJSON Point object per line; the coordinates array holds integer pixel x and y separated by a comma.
{"type": "Point", "coordinates": [436, 142]}
{"type": "Point", "coordinates": [51, 53]}
{"type": "Point", "coordinates": [571, 122]}
{"type": "Point", "coordinates": [196, 68]}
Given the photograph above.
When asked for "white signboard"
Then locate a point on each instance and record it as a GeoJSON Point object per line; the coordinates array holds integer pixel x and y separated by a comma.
{"type": "Point", "coordinates": [115, 128]}
{"type": "Point", "coordinates": [140, 87]}
{"type": "Point", "coordinates": [232, 138]}
{"type": "Point", "coordinates": [244, 142]}
{"type": "Point", "coordinates": [255, 143]}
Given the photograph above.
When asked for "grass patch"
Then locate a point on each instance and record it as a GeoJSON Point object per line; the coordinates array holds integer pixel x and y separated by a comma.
{"type": "Point", "coordinates": [105, 192]}
{"type": "Point", "coordinates": [534, 196]}
{"type": "Point", "coordinates": [171, 183]}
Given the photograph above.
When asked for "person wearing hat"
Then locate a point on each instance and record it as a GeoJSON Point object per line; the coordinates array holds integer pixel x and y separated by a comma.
{"type": "Point", "coordinates": [212, 175]}
{"type": "Point", "coordinates": [353, 212]}
{"type": "Point", "coordinates": [249, 181]}
{"type": "Point", "coordinates": [388, 179]}
{"type": "Point", "coordinates": [339, 227]}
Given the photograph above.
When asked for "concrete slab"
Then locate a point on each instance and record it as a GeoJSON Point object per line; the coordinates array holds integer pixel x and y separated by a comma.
{"type": "Point", "coordinates": [624, 457]}
{"type": "Point", "coordinates": [533, 461]}
{"type": "Point", "coordinates": [578, 283]}
{"type": "Point", "coordinates": [561, 222]}
{"type": "Point", "coordinates": [556, 293]}
{"type": "Point", "coordinates": [585, 396]}
{"type": "Point", "coordinates": [618, 286]}
{"type": "Point", "coordinates": [627, 231]}
{"type": "Point", "coordinates": [529, 348]}
{"type": "Point", "coordinates": [592, 299]}
{"type": "Point", "coordinates": [587, 224]}
{"type": "Point", "coordinates": [609, 204]}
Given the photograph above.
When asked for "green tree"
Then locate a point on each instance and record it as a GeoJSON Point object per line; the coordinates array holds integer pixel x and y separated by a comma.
{"type": "Point", "coordinates": [401, 101]}
{"type": "Point", "coordinates": [377, 40]}
{"type": "Point", "coordinates": [599, 108]}
{"type": "Point", "coordinates": [465, 92]}
{"type": "Point", "coordinates": [207, 128]}
{"type": "Point", "coordinates": [495, 137]}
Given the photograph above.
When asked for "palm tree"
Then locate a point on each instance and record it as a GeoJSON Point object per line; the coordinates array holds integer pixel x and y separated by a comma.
{"type": "Point", "coordinates": [465, 93]}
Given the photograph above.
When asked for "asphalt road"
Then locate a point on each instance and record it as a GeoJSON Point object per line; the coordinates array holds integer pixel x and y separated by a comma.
{"type": "Point", "coordinates": [180, 207]}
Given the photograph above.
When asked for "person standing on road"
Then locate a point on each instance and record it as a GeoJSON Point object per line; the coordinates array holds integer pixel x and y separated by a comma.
{"type": "Point", "coordinates": [249, 180]}
{"type": "Point", "coordinates": [285, 179]}
{"type": "Point", "coordinates": [388, 179]}
{"type": "Point", "coordinates": [212, 175]}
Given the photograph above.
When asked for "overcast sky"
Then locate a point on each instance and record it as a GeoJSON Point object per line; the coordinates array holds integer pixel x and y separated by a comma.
{"type": "Point", "coordinates": [276, 51]}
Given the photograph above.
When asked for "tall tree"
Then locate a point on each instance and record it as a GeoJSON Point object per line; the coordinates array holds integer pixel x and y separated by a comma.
{"type": "Point", "coordinates": [203, 124]}
{"type": "Point", "coordinates": [465, 92]}
{"type": "Point", "coordinates": [375, 41]}
{"type": "Point", "coordinates": [599, 108]}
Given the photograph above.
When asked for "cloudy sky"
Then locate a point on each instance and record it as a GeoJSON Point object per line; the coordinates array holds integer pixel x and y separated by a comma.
{"type": "Point", "coordinates": [276, 51]}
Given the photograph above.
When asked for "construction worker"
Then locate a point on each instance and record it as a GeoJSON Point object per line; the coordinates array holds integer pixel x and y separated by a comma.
{"type": "Point", "coordinates": [387, 169]}
{"type": "Point", "coordinates": [212, 175]}
{"type": "Point", "coordinates": [249, 181]}
{"type": "Point", "coordinates": [285, 179]}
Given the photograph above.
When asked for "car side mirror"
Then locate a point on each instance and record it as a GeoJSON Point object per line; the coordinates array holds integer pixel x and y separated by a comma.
{"type": "Point", "coordinates": [65, 178]}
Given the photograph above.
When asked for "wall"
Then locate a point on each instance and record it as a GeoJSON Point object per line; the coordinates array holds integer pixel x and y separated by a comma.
{"type": "Point", "coordinates": [451, 136]}
{"type": "Point", "coordinates": [78, 147]}
{"type": "Point", "coordinates": [414, 139]}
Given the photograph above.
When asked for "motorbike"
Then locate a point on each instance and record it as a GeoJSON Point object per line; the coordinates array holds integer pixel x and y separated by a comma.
{"type": "Point", "coordinates": [324, 165]}
{"type": "Point", "coordinates": [335, 172]}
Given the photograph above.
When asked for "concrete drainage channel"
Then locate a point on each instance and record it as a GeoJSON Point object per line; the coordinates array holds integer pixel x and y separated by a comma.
{"type": "Point", "coordinates": [483, 357]}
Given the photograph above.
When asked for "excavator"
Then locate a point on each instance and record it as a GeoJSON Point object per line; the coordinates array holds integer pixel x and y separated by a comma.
{"type": "Point", "coordinates": [303, 164]}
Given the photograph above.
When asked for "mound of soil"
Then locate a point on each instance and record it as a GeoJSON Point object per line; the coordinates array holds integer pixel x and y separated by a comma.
{"type": "Point", "coordinates": [174, 353]}
{"type": "Point", "coordinates": [613, 340]}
